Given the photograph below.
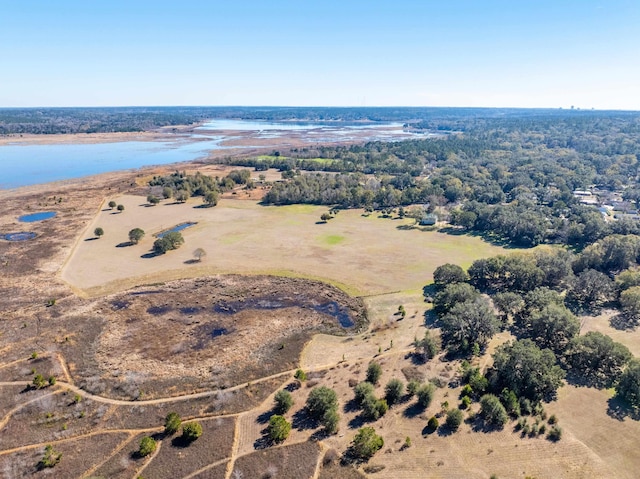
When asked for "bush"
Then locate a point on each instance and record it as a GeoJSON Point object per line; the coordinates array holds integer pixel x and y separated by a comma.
{"type": "Point", "coordinates": [412, 387]}
{"type": "Point", "coordinates": [492, 411]}
{"type": "Point", "coordinates": [628, 387]}
{"type": "Point", "coordinates": [52, 380]}
{"type": "Point", "coordinates": [553, 419]}
{"type": "Point", "coordinates": [321, 399]}
{"type": "Point", "coordinates": [466, 402]}
{"type": "Point", "coordinates": [366, 443]}
{"type": "Point", "coordinates": [172, 423]}
{"type": "Point", "coordinates": [51, 457]}
{"type": "Point", "coordinates": [191, 431]}
{"type": "Point", "coordinates": [300, 375]}
{"type": "Point", "coordinates": [331, 421]}
{"type": "Point", "coordinates": [147, 446]}
{"type": "Point", "coordinates": [373, 408]}
{"type": "Point", "coordinates": [454, 419]}
{"type": "Point", "coordinates": [120, 208]}
{"type": "Point", "coordinates": [279, 428]}
{"type": "Point", "coordinates": [394, 391]}
{"type": "Point", "coordinates": [427, 347]}
{"type": "Point", "coordinates": [555, 434]}
{"type": "Point", "coordinates": [39, 382]}
{"type": "Point", "coordinates": [98, 232]}
{"type": "Point", "coordinates": [374, 371]}
{"type": "Point", "coordinates": [112, 204]}
{"type": "Point", "coordinates": [433, 423]}
{"type": "Point", "coordinates": [425, 395]}
{"type": "Point", "coordinates": [362, 391]}
{"type": "Point", "coordinates": [283, 401]}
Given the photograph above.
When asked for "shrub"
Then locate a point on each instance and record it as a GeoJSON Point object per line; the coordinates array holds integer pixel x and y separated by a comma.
{"type": "Point", "coordinates": [466, 402]}
{"type": "Point", "coordinates": [374, 371]}
{"type": "Point", "coordinates": [51, 457]}
{"type": "Point", "coordinates": [300, 375]}
{"type": "Point", "coordinates": [191, 431]}
{"type": "Point", "coordinates": [454, 419]}
{"type": "Point", "coordinates": [98, 232]}
{"type": "Point", "coordinates": [553, 419]}
{"type": "Point", "coordinates": [361, 391]}
{"type": "Point", "coordinates": [52, 380]}
{"type": "Point", "coordinates": [555, 434]}
{"type": "Point", "coordinates": [283, 401]}
{"type": "Point", "coordinates": [412, 387]}
{"type": "Point", "coordinates": [433, 423]}
{"type": "Point", "coordinates": [492, 411]}
{"type": "Point", "coordinates": [331, 421]}
{"type": "Point", "coordinates": [321, 399]}
{"type": "Point", "coordinates": [425, 395]}
{"type": "Point", "coordinates": [394, 391]}
{"type": "Point", "coordinates": [39, 382]}
{"type": "Point", "coordinates": [172, 423]}
{"type": "Point", "coordinates": [147, 446]}
{"type": "Point", "coordinates": [366, 443]}
{"type": "Point", "coordinates": [120, 208]}
{"type": "Point", "coordinates": [112, 204]}
{"type": "Point", "coordinates": [278, 428]}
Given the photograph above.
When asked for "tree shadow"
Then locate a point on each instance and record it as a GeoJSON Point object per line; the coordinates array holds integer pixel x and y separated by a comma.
{"type": "Point", "coordinates": [292, 386]}
{"type": "Point", "coordinates": [92, 239]}
{"type": "Point", "coordinates": [151, 254]}
{"type": "Point", "coordinates": [358, 421]}
{"type": "Point", "coordinates": [192, 261]}
{"type": "Point", "coordinates": [430, 318]}
{"type": "Point", "coordinates": [351, 406]}
{"type": "Point", "coordinates": [321, 222]}
{"type": "Point", "coordinates": [445, 431]}
{"type": "Point", "coordinates": [181, 442]}
{"type": "Point", "coordinates": [428, 430]}
{"type": "Point", "coordinates": [301, 421]}
{"type": "Point", "coordinates": [619, 409]}
{"type": "Point", "coordinates": [265, 416]}
{"type": "Point", "coordinates": [203, 206]}
{"type": "Point", "coordinates": [413, 411]}
{"type": "Point", "coordinates": [262, 442]}
{"type": "Point", "coordinates": [125, 244]}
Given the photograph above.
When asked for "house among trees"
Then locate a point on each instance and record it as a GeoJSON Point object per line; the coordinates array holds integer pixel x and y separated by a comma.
{"type": "Point", "coordinates": [428, 220]}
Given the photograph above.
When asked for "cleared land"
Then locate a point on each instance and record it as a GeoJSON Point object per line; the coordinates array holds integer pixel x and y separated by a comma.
{"type": "Point", "coordinates": [363, 255]}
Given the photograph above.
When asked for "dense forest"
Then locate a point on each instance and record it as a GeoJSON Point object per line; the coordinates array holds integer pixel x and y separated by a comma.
{"type": "Point", "coordinates": [511, 178]}
{"type": "Point", "coordinates": [131, 119]}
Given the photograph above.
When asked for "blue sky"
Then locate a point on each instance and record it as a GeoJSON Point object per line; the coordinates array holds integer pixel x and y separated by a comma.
{"type": "Point", "coordinates": [516, 53]}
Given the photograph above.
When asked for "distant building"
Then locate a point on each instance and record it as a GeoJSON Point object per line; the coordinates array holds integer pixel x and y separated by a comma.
{"type": "Point", "coordinates": [429, 220]}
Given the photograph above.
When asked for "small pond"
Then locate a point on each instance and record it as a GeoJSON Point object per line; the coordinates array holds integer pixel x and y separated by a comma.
{"type": "Point", "coordinates": [179, 227]}
{"type": "Point", "coordinates": [33, 217]}
{"type": "Point", "coordinates": [21, 236]}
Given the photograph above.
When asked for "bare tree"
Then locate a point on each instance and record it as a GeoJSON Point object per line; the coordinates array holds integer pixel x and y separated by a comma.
{"type": "Point", "coordinates": [199, 253]}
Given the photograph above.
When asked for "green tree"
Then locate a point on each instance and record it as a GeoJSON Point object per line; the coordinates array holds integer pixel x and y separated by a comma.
{"type": "Point", "coordinates": [451, 295]}
{"type": "Point", "coordinates": [449, 273]}
{"type": "Point", "coordinates": [596, 358]}
{"type": "Point", "coordinates": [630, 304]}
{"type": "Point", "coordinates": [591, 289]}
{"type": "Point", "coordinates": [374, 371]}
{"type": "Point", "coordinates": [365, 443]}
{"type": "Point", "coordinates": [427, 347]}
{"type": "Point", "coordinates": [433, 423]}
{"type": "Point", "coordinates": [454, 419]}
{"type": "Point", "coordinates": [492, 411]}
{"type": "Point", "coordinates": [135, 235]}
{"type": "Point", "coordinates": [147, 446]}
{"type": "Point", "coordinates": [98, 232]}
{"type": "Point", "coordinates": [120, 208]}
{"type": "Point", "coordinates": [300, 375]}
{"type": "Point", "coordinates": [283, 401]}
{"type": "Point", "coordinates": [362, 390]}
{"type": "Point", "coordinates": [321, 399]}
{"type": "Point", "coordinates": [425, 395]}
{"type": "Point", "coordinates": [393, 391]}
{"type": "Point", "coordinates": [628, 387]}
{"type": "Point", "coordinates": [172, 423]}
{"type": "Point", "coordinates": [112, 204]}
{"type": "Point", "coordinates": [325, 217]}
{"type": "Point", "coordinates": [169, 241]}
{"type": "Point", "coordinates": [167, 192]}
{"type": "Point", "coordinates": [468, 323]}
{"type": "Point", "coordinates": [191, 431]}
{"type": "Point", "coordinates": [527, 370]}
{"type": "Point", "coordinates": [211, 198]}
{"type": "Point", "coordinates": [279, 428]}
{"type": "Point", "coordinates": [182, 196]}
{"type": "Point", "coordinates": [331, 421]}
{"type": "Point", "coordinates": [553, 327]}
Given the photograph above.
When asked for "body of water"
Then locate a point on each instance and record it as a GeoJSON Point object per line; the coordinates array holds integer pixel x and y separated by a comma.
{"type": "Point", "coordinates": [33, 217]}
{"type": "Point", "coordinates": [29, 164]}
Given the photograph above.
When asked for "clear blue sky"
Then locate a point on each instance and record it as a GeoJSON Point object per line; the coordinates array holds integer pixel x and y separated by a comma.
{"type": "Point", "coordinates": [521, 53]}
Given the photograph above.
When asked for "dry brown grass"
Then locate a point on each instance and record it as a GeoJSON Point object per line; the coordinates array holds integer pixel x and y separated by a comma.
{"type": "Point", "coordinates": [297, 461]}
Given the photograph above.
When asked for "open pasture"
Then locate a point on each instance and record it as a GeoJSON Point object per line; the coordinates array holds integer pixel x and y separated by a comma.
{"type": "Point", "coordinates": [362, 255]}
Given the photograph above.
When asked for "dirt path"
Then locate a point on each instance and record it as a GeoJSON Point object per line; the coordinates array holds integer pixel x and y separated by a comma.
{"type": "Point", "coordinates": [118, 448]}
{"type": "Point", "coordinates": [151, 458]}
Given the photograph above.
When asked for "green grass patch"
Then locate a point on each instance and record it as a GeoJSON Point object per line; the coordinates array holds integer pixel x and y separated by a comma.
{"type": "Point", "coordinates": [331, 240]}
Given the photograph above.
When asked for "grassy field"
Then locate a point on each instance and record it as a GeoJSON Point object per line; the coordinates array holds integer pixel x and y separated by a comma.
{"type": "Point", "coordinates": [364, 255]}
